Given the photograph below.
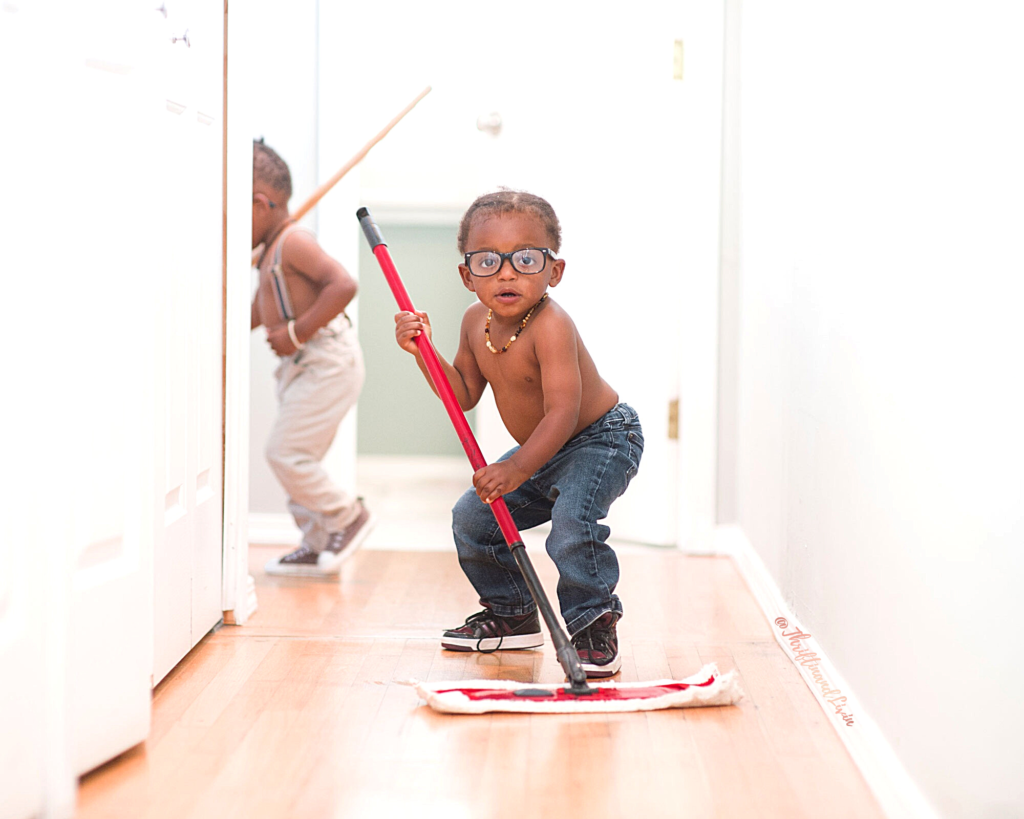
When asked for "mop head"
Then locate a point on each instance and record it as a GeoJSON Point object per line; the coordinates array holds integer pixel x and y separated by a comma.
{"type": "Point", "coordinates": [706, 687]}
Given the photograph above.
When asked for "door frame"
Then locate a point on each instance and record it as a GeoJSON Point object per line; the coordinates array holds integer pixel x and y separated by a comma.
{"type": "Point", "coordinates": [238, 588]}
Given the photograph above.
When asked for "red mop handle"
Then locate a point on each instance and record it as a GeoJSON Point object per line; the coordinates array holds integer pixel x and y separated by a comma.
{"type": "Point", "coordinates": [434, 369]}
{"type": "Point", "coordinates": [564, 650]}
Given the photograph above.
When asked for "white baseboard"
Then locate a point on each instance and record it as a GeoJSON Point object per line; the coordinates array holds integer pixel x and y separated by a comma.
{"type": "Point", "coordinates": [270, 529]}
{"type": "Point", "coordinates": [897, 793]}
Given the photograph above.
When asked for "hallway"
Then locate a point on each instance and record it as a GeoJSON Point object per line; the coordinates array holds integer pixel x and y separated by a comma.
{"type": "Point", "coordinates": [301, 714]}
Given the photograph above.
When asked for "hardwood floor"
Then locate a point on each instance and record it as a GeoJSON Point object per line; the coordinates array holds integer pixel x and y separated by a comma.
{"type": "Point", "coordinates": [301, 713]}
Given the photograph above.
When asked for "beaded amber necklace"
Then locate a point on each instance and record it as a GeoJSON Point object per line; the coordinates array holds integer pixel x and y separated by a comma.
{"type": "Point", "coordinates": [515, 335]}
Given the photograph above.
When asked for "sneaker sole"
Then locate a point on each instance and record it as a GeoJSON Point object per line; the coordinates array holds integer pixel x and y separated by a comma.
{"type": "Point", "coordinates": [330, 563]}
{"type": "Point", "coordinates": [513, 642]}
{"type": "Point", "coordinates": [598, 671]}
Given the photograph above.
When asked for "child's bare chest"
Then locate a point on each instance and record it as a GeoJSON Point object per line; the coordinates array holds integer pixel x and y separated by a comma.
{"type": "Point", "coordinates": [515, 371]}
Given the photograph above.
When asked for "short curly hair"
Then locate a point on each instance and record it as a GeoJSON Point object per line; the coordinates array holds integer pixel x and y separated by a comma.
{"type": "Point", "coordinates": [269, 168]}
{"type": "Point", "coordinates": [506, 200]}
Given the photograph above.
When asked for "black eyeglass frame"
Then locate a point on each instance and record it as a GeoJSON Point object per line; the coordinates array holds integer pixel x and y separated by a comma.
{"type": "Point", "coordinates": [547, 252]}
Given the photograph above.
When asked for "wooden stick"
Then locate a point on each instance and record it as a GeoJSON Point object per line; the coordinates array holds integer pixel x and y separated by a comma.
{"type": "Point", "coordinates": [319, 193]}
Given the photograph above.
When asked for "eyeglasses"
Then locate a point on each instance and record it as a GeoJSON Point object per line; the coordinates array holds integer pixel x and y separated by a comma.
{"type": "Point", "coordinates": [528, 261]}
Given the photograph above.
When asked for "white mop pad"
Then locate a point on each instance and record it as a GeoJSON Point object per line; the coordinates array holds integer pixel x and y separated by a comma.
{"type": "Point", "coordinates": [705, 687]}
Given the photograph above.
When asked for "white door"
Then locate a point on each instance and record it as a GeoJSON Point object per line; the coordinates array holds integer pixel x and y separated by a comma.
{"type": "Point", "coordinates": [630, 156]}
{"type": "Point", "coordinates": [91, 463]}
{"type": "Point", "coordinates": [22, 646]}
{"type": "Point", "coordinates": [188, 154]}
{"type": "Point", "coordinates": [24, 563]}
{"type": "Point", "coordinates": [84, 449]}
{"type": "Point", "coordinates": [146, 373]}
{"type": "Point", "coordinates": [109, 409]}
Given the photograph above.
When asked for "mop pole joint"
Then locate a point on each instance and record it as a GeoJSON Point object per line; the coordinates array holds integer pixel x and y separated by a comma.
{"type": "Point", "coordinates": [370, 229]}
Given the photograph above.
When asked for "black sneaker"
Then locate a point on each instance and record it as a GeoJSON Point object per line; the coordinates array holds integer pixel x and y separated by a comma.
{"type": "Point", "coordinates": [486, 631]}
{"type": "Point", "coordinates": [342, 545]}
{"type": "Point", "coordinates": [303, 561]}
{"type": "Point", "coordinates": [598, 646]}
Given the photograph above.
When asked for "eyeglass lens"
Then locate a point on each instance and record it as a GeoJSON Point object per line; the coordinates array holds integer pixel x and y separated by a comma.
{"type": "Point", "coordinates": [527, 261]}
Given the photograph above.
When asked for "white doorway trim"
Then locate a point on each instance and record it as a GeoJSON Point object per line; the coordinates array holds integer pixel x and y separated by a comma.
{"type": "Point", "coordinates": [239, 591]}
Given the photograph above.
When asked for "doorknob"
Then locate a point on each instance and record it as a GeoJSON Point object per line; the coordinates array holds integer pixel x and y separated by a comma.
{"type": "Point", "coordinates": [489, 123]}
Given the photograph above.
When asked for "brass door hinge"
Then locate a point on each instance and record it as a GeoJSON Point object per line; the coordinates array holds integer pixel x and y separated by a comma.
{"type": "Point", "coordinates": [677, 60]}
{"type": "Point", "coordinates": [673, 419]}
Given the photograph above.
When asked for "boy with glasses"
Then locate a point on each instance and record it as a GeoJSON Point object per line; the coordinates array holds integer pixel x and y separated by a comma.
{"type": "Point", "coordinates": [579, 447]}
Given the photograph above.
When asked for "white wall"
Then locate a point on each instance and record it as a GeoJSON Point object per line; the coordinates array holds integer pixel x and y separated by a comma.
{"type": "Point", "coordinates": [878, 432]}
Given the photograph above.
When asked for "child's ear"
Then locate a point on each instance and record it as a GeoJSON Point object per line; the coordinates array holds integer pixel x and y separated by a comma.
{"type": "Point", "coordinates": [557, 269]}
{"type": "Point", "coordinates": [467, 278]}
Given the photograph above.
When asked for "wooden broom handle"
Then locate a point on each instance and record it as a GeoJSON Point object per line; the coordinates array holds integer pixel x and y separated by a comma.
{"type": "Point", "coordinates": [320, 192]}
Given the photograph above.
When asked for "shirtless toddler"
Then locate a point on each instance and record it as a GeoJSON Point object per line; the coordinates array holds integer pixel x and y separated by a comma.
{"type": "Point", "coordinates": [579, 447]}
{"type": "Point", "coordinates": [301, 299]}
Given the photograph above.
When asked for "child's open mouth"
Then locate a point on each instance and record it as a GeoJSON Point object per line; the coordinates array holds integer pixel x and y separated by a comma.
{"type": "Point", "coordinates": [507, 296]}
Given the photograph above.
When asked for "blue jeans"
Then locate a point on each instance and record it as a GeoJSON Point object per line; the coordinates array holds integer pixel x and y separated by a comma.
{"type": "Point", "coordinates": [573, 490]}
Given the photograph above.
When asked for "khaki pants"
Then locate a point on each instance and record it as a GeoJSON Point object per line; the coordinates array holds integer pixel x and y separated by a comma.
{"type": "Point", "coordinates": [315, 388]}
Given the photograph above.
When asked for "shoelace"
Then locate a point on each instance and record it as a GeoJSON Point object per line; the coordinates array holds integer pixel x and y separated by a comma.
{"type": "Point", "coordinates": [594, 639]}
{"type": "Point", "coordinates": [301, 552]}
{"type": "Point", "coordinates": [483, 617]}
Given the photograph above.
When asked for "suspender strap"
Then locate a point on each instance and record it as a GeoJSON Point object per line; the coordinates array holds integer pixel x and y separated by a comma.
{"type": "Point", "coordinates": [284, 303]}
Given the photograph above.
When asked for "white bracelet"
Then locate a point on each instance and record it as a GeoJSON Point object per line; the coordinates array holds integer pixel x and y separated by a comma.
{"type": "Point", "coordinates": [291, 334]}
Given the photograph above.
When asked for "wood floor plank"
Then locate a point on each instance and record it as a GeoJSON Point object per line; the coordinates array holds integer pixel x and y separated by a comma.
{"type": "Point", "coordinates": [303, 713]}
{"type": "Point", "coordinates": [779, 720]}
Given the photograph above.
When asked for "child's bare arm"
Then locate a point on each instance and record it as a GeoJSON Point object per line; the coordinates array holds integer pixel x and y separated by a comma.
{"type": "Point", "coordinates": [464, 376]}
{"type": "Point", "coordinates": [563, 390]}
{"type": "Point", "coordinates": [254, 313]}
{"type": "Point", "coordinates": [302, 255]}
